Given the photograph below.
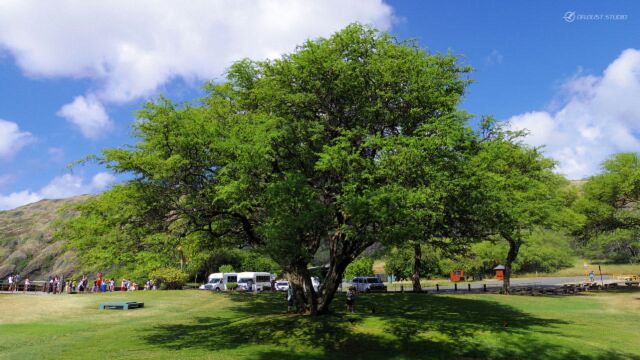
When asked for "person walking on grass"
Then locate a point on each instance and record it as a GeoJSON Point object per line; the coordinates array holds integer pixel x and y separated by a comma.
{"type": "Point", "coordinates": [27, 283]}
{"type": "Point", "coordinates": [10, 283]}
{"type": "Point", "coordinates": [351, 300]}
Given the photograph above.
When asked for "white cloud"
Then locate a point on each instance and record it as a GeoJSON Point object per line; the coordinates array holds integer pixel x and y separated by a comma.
{"type": "Point", "coordinates": [12, 139]}
{"type": "Point", "coordinates": [17, 199]}
{"type": "Point", "coordinates": [130, 48]}
{"type": "Point", "coordinates": [599, 116]}
{"type": "Point", "coordinates": [88, 114]}
{"type": "Point", "coordinates": [60, 187]}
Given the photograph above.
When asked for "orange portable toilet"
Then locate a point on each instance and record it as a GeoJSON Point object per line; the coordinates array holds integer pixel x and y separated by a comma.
{"type": "Point", "coordinates": [457, 275]}
{"type": "Point", "coordinates": [499, 272]}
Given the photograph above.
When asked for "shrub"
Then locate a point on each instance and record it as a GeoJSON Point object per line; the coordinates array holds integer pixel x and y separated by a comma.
{"type": "Point", "coordinates": [169, 278]}
{"type": "Point", "coordinates": [359, 267]}
{"type": "Point", "coordinates": [232, 286]}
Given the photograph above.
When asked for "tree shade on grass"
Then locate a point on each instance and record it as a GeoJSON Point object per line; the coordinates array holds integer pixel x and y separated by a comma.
{"type": "Point", "coordinates": [190, 324]}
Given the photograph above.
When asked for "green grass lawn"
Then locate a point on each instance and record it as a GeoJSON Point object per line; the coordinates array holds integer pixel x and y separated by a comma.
{"type": "Point", "coordinates": [203, 325]}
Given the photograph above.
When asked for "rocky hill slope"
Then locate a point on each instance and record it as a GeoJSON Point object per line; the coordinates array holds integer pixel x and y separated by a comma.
{"type": "Point", "coordinates": [26, 246]}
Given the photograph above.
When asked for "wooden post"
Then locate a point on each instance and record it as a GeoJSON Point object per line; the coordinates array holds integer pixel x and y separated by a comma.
{"type": "Point", "coordinates": [455, 287]}
{"type": "Point", "coordinates": [601, 280]}
{"type": "Point", "coordinates": [484, 287]}
{"type": "Point", "coordinates": [437, 288]}
{"type": "Point", "coordinates": [469, 287]}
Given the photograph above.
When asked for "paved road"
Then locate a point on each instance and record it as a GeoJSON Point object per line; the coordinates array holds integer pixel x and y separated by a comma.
{"type": "Point", "coordinates": [492, 284]}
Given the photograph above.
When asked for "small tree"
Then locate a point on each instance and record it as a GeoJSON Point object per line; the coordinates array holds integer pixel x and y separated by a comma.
{"type": "Point", "coordinates": [359, 267]}
{"type": "Point", "coordinates": [522, 192]}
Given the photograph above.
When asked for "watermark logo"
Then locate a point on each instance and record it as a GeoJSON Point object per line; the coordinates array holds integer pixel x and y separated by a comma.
{"type": "Point", "coordinates": [571, 16]}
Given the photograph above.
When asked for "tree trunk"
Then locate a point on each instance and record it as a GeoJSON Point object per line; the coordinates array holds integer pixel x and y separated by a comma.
{"type": "Point", "coordinates": [310, 294]}
{"type": "Point", "coordinates": [331, 283]}
{"type": "Point", "coordinates": [342, 253]}
{"type": "Point", "coordinates": [514, 247]}
{"type": "Point", "coordinates": [296, 281]}
{"type": "Point", "coordinates": [417, 267]}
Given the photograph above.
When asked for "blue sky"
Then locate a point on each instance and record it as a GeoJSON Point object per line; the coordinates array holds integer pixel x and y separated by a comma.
{"type": "Point", "coordinates": [72, 74]}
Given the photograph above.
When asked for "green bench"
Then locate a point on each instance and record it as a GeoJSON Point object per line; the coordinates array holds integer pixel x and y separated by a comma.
{"type": "Point", "coordinates": [124, 305]}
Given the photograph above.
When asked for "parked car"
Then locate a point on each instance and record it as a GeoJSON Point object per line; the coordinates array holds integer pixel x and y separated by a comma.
{"type": "Point", "coordinates": [368, 284]}
{"type": "Point", "coordinates": [282, 285]}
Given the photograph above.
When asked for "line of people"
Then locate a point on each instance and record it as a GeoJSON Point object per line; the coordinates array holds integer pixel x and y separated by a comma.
{"type": "Point", "coordinates": [59, 285]}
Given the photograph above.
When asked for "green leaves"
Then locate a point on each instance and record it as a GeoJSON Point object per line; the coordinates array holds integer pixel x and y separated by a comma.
{"type": "Point", "coordinates": [610, 209]}
{"type": "Point", "coordinates": [360, 267]}
{"type": "Point", "coordinates": [348, 141]}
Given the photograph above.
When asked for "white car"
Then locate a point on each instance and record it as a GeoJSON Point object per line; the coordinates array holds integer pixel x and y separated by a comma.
{"type": "Point", "coordinates": [282, 285]}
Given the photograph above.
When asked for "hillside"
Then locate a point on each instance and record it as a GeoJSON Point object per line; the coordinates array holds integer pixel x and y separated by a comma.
{"type": "Point", "coordinates": [25, 240]}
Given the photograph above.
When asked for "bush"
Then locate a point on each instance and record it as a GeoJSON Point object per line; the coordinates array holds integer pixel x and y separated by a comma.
{"type": "Point", "coordinates": [232, 286]}
{"type": "Point", "coordinates": [359, 267]}
{"type": "Point", "coordinates": [226, 268]}
{"type": "Point", "coordinates": [169, 278]}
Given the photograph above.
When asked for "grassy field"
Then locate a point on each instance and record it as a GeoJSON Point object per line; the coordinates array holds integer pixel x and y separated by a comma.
{"type": "Point", "coordinates": [195, 324]}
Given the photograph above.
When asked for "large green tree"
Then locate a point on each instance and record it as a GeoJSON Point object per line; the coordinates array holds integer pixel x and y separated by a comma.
{"type": "Point", "coordinates": [610, 207]}
{"type": "Point", "coordinates": [522, 192]}
{"type": "Point", "coordinates": [348, 141]}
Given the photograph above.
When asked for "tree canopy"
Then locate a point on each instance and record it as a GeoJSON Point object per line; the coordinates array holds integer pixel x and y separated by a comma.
{"type": "Point", "coordinates": [611, 225]}
{"type": "Point", "coordinates": [522, 192]}
{"type": "Point", "coordinates": [347, 141]}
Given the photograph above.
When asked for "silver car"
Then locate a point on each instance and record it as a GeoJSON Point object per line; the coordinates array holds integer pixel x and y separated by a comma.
{"type": "Point", "coordinates": [368, 284]}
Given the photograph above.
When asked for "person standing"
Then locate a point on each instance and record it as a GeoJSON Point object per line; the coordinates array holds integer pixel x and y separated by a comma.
{"type": "Point", "coordinates": [290, 299]}
{"type": "Point", "coordinates": [351, 300]}
{"type": "Point", "coordinates": [27, 283]}
{"type": "Point", "coordinates": [10, 283]}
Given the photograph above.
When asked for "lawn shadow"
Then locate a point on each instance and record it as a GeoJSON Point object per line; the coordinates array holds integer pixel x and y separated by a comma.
{"type": "Point", "coordinates": [385, 326]}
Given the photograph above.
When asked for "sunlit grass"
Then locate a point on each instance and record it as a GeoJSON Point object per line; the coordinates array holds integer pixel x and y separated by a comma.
{"type": "Point", "coordinates": [196, 324]}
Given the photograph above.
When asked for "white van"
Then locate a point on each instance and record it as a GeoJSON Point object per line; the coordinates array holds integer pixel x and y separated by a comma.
{"type": "Point", "coordinates": [252, 280]}
{"type": "Point", "coordinates": [219, 281]}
